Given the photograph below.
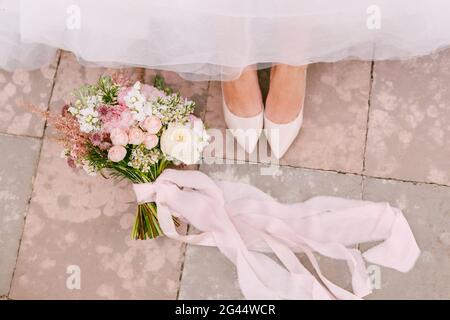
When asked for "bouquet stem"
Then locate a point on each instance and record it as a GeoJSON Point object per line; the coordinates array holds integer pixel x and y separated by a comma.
{"type": "Point", "coordinates": [146, 224]}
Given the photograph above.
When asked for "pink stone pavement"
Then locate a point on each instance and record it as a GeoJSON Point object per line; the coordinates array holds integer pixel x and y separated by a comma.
{"type": "Point", "coordinates": [375, 131]}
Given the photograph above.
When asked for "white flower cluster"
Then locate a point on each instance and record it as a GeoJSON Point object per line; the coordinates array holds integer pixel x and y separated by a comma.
{"type": "Point", "coordinates": [86, 113]}
{"type": "Point", "coordinates": [138, 104]}
{"type": "Point", "coordinates": [172, 108]}
{"type": "Point", "coordinates": [142, 158]}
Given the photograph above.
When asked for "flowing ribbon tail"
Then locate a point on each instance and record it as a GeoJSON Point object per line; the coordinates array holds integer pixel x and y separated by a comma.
{"type": "Point", "coordinates": [245, 223]}
{"type": "Point", "coordinates": [394, 252]}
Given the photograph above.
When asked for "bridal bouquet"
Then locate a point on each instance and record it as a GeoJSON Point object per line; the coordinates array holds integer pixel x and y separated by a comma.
{"type": "Point", "coordinates": [133, 132]}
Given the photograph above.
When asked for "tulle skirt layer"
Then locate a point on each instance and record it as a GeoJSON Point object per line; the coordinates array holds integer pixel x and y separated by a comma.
{"type": "Point", "coordinates": [204, 39]}
{"type": "Point", "coordinates": [14, 53]}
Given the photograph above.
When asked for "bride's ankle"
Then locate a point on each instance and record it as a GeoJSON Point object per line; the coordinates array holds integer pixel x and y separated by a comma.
{"type": "Point", "coordinates": [285, 68]}
{"type": "Point", "coordinates": [286, 93]}
{"type": "Point", "coordinates": [243, 96]}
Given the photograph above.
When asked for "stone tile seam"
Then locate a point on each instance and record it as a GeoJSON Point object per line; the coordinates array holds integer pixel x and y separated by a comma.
{"type": "Point", "coordinates": [14, 135]}
{"type": "Point", "coordinates": [415, 182]}
{"type": "Point", "coordinates": [369, 104]}
{"type": "Point", "coordinates": [35, 172]}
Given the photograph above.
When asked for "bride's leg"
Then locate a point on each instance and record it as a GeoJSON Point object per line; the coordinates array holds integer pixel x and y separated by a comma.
{"type": "Point", "coordinates": [286, 93]}
{"type": "Point", "coordinates": [243, 95]}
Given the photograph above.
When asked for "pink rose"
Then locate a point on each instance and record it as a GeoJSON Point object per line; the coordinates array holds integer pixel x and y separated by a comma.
{"type": "Point", "coordinates": [117, 153]}
{"type": "Point", "coordinates": [119, 137]}
{"type": "Point", "coordinates": [136, 136]}
{"type": "Point", "coordinates": [150, 141]}
{"type": "Point", "coordinates": [152, 124]}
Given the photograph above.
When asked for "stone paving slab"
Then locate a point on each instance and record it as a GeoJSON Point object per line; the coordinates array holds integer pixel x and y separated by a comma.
{"type": "Point", "coordinates": [207, 274]}
{"type": "Point", "coordinates": [74, 221]}
{"type": "Point", "coordinates": [334, 129]}
{"type": "Point", "coordinates": [77, 223]}
{"type": "Point", "coordinates": [409, 125]}
{"type": "Point", "coordinates": [17, 168]}
{"type": "Point", "coordinates": [427, 209]}
{"type": "Point", "coordinates": [25, 87]}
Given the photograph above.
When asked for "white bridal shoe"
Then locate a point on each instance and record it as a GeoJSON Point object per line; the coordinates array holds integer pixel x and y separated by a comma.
{"type": "Point", "coordinates": [281, 136]}
{"type": "Point", "coordinates": [246, 130]}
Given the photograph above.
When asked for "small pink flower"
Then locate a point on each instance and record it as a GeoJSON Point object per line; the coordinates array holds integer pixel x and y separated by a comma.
{"type": "Point", "coordinates": [152, 93]}
{"type": "Point", "coordinates": [105, 145]}
{"type": "Point", "coordinates": [152, 124]}
{"type": "Point", "coordinates": [65, 110]}
{"type": "Point", "coordinates": [150, 141]}
{"type": "Point", "coordinates": [117, 153]}
{"type": "Point", "coordinates": [119, 137]}
{"type": "Point", "coordinates": [71, 163]}
{"type": "Point", "coordinates": [136, 136]}
{"type": "Point", "coordinates": [96, 138]}
{"type": "Point", "coordinates": [121, 96]}
{"type": "Point", "coordinates": [103, 111]}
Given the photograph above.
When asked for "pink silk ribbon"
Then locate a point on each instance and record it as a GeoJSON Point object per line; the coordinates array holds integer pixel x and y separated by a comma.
{"type": "Point", "coordinates": [244, 223]}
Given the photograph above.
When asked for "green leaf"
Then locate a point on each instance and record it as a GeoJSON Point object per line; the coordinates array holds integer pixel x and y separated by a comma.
{"type": "Point", "coordinates": [160, 83]}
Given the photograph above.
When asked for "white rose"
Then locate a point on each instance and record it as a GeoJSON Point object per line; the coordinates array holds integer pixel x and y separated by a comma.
{"type": "Point", "coordinates": [179, 142]}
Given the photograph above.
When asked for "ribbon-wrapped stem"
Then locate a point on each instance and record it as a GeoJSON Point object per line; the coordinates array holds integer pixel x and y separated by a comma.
{"type": "Point", "coordinates": [146, 224]}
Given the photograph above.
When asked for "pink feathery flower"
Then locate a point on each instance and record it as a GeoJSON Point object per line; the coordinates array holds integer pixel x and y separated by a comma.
{"type": "Point", "coordinates": [69, 133]}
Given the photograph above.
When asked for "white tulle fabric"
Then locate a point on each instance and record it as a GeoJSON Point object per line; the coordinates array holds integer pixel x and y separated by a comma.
{"type": "Point", "coordinates": [14, 53]}
{"type": "Point", "coordinates": [216, 39]}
